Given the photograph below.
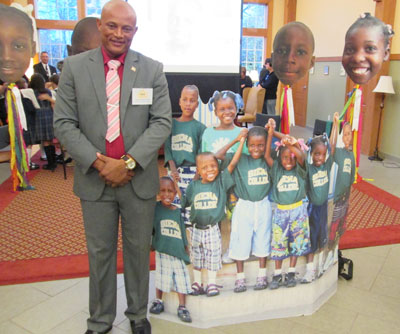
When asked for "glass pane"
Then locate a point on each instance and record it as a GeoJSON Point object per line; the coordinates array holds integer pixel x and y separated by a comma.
{"type": "Point", "coordinates": [93, 7]}
{"type": "Point", "coordinates": [57, 9]}
{"type": "Point", "coordinates": [254, 15]}
{"type": "Point", "coordinates": [252, 53]}
{"type": "Point", "coordinates": [55, 43]}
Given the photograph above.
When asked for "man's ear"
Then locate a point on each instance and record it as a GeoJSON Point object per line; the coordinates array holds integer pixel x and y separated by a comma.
{"type": "Point", "coordinates": [312, 63]}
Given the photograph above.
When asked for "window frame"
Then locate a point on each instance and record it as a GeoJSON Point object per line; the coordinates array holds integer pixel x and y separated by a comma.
{"type": "Point", "coordinates": [259, 32]}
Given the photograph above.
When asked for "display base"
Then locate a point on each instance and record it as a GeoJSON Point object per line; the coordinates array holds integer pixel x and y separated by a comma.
{"type": "Point", "coordinates": [233, 308]}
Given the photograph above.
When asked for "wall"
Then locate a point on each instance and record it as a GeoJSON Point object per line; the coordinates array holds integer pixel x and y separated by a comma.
{"type": "Point", "coordinates": [390, 135]}
{"type": "Point", "coordinates": [329, 21]}
{"type": "Point", "coordinates": [395, 47]}
{"type": "Point", "coordinates": [277, 17]}
{"type": "Point", "coordinates": [325, 93]}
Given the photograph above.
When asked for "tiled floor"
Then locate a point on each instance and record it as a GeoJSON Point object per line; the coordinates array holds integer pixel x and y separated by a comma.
{"type": "Point", "coordinates": [370, 303]}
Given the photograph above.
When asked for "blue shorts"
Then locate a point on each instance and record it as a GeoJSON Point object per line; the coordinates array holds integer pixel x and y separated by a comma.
{"type": "Point", "coordinates": [251, 229]}
{"type": "Point", "coordinates": [318, 216]}
{"type": "Point", "coordinates": [290, 232]}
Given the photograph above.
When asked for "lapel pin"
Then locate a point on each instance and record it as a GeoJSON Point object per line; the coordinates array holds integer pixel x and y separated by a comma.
{"type": "Point", "coordinates": [133, 68]}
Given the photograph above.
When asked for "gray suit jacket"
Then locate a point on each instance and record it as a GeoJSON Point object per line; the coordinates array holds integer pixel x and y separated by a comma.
{"type": "Point", "coordinates": [80, 119]}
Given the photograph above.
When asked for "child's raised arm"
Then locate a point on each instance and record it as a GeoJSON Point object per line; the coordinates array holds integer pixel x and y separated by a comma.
{"type": "Point", "coordinates": [178, 191]}
{"type": "Point", "coordinates": [270, 126]}
{"type": "Point", "coordinates": [293, 146]}
{"type": "Point", "coordinates": [237, 156]}
{"type": "Point", "coordinates": [220, 155]}
{"type": "Point", "coordinates": [334, 133]}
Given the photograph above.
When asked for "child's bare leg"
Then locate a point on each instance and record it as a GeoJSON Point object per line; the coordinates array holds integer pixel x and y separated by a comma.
{"type": "Point", "coordinates": [239, 266]}
{"type": "Point", "coordinates": [261, 281]}
{"type": "Point", "coordinates": [310, 257]}
{"type": "Point", "coordinates": [182, 299]}
{"type": "Point", "coordinates": [262, 262]}
{"type": "Point", "coordinates": [159, 294]}
{"type": "Point", "coordinates": [293, 261]}
{"type": "Point", "coordinates": [278, 264]}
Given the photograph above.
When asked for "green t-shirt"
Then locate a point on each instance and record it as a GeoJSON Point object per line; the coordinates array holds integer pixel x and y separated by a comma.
{"type": "Point", "coordinates": [207, 200]}
{"type": "Point", "coordinates": [169, 232]}
{"type": "Point", "coordinates": [184, 142]}
{"type": "Point", "coordinates": [288, 186]}
{"type": "Point", "coordinates": [251, 177]}
{"type": "Point", "coordinates": [318, 181]}
{"type": "Point", "coordinates": [213, 140]}
{"type": "Point", "coordinates": [346, 171]}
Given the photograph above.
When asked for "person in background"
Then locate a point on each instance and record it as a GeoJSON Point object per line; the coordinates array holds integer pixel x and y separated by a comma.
{"type": "Point", "coordinates": [44, 68]}
{"type": "Point", "coordinates": [245, 80]}
{"type": "Point", "coordinates": [85, 36]}
{"type": "Point", "coordinates": [114, 136]}
{"type": "Point", "coordinates": [270, 83]}
{"type": "Point", "coordinates": [264, 71]}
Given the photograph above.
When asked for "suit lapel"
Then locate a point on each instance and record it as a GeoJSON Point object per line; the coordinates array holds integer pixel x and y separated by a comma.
{"type": "Point", "coordinates": [96, 72]}
{"type": "Point", "coordinates": [128, 82]}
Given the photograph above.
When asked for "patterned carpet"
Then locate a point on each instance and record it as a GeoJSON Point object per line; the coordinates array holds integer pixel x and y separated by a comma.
{"type": "Point", "coordinates": [42, 235]}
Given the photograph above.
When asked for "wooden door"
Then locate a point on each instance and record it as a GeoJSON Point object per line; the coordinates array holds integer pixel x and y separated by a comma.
{"type": "Point", "coordinates": [300, 94]}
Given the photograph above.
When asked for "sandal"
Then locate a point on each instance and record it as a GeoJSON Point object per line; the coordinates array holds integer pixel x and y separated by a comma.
{"type": "Point", "coordinates": [240, 285]}
{"type": "Point", "coordinates": [261, 283]}
{"type": "Point", "coordinates": [197, 289]}
{"type": "Point", "coordinates": [213, 290]}
{"type": "Point", "coordinates": [183, 314]}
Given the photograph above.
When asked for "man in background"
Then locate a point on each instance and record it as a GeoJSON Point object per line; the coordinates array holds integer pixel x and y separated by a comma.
{"type": "Point", "coordinates": [44, 68]}
{"type": "Point", "coordinates": [270, 83]}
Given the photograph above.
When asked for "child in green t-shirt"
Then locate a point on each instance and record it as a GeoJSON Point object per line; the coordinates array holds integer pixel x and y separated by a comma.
{"type": "Point", "coordinates": [251, 219]}
{"type": "Point", "coordinates": [184, 143]}
{"type": "Point", "coordinates": [207, 198]}
{"type": "Point", "coordinates": [170, 244]}
{"type": "Point", "coordinates": [290, 229]}
{"type": "Point", "coordinates": [318, 178]}
{"type": "Point", "coordinates": [344, 158]}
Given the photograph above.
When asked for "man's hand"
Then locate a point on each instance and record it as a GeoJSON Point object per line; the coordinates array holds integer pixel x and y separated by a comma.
{"type": "Point", "coordinates": [113, 172]}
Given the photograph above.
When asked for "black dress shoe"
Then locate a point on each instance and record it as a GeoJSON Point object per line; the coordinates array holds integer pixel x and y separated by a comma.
{"type": "Point", "coordinates": [89, 331]}
{"type": "Point", "coordinates": [141, 326]}
{"type": "Point", "coordinates": [33, 166]}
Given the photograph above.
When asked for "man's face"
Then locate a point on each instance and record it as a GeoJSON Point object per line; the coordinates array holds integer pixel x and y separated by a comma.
{"type": "Point", "coordinates": [44, 58]}
{"type": "Point", "coordinates": [293, 54]}
{"type": "Point", "coordinates": [117, 27]}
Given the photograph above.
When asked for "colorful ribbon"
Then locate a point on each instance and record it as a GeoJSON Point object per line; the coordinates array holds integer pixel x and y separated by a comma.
{"type": "Point", "coordinates": [286, 110]}
{"type": "Point", "coordinates": [352, 114]}
{"type": "Point", "coordinates": [19, 162]}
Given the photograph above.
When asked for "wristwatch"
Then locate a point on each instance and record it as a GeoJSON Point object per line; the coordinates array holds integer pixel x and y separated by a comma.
{"type": "Point", "coordinates": [130, 163]}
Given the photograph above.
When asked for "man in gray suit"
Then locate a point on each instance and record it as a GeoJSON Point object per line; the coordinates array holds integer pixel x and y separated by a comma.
{"type": "Point", "coordinates": [115, 177]}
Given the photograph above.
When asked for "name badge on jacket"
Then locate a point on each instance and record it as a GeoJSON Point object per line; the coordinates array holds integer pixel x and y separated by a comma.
{"type": "Point", "coordinates": [142, 96]}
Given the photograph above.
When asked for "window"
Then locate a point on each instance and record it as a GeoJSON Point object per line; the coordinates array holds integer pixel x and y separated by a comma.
{"type": "Point", "coordinates": [252, 53]}
{"type": "Point", "coordinates": [255, 16]}
{"type": "Point", "coordinates": [55, 43]}
{"type": "Point", "coordinates": [256, 32]}
{"type": "Point", "coordinates": [57, 9]}
{"type": "Point", "coordinates": [93, 7]}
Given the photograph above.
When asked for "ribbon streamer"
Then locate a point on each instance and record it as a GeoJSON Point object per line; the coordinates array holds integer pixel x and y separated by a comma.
{"type": "Point", "coordinates": [352, 113]}
{"type": "Point", "coordinates": [19, 162]}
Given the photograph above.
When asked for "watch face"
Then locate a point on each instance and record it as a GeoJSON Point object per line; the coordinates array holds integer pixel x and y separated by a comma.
{"type": "Point", "coordinates": [131, 164]}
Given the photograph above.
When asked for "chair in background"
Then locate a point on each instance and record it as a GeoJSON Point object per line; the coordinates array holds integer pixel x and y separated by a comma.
{"type": "Point", "coordinates": [321, 127]}
{"type": "Point", "coordinates": [262, 119]}
{"type": "Point", "coordinates": [253, 98]}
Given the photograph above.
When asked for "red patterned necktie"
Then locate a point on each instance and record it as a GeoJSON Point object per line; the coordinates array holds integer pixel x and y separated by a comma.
{"type": "Point", "coordinates": [112, 91]}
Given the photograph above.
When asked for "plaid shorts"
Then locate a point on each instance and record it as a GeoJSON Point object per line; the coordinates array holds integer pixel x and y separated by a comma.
{"type": "Point", "coordinates": [206, 248]}
{"type": "Point", "coordinates": [186, 175]}
{"type": "Point", "coordinates": [338, 226]}
{"type": "Point", "coordinates": [172, 274]}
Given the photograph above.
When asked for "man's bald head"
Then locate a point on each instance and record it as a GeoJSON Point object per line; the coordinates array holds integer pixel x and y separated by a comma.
{"type": "Point", "coordinates": [117, 26]}
{"type": "Point", "coordinates": [86, 36]}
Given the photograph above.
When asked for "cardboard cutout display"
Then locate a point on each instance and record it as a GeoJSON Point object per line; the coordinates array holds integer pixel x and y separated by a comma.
{"type": "Point", "coordinates": [292, 57]}
{"type": "Point", "coordinates": [18, 40]}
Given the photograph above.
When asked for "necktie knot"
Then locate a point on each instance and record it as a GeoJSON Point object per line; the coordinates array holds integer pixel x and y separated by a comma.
{"type": "Point", "coordinates": [114, 64]}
